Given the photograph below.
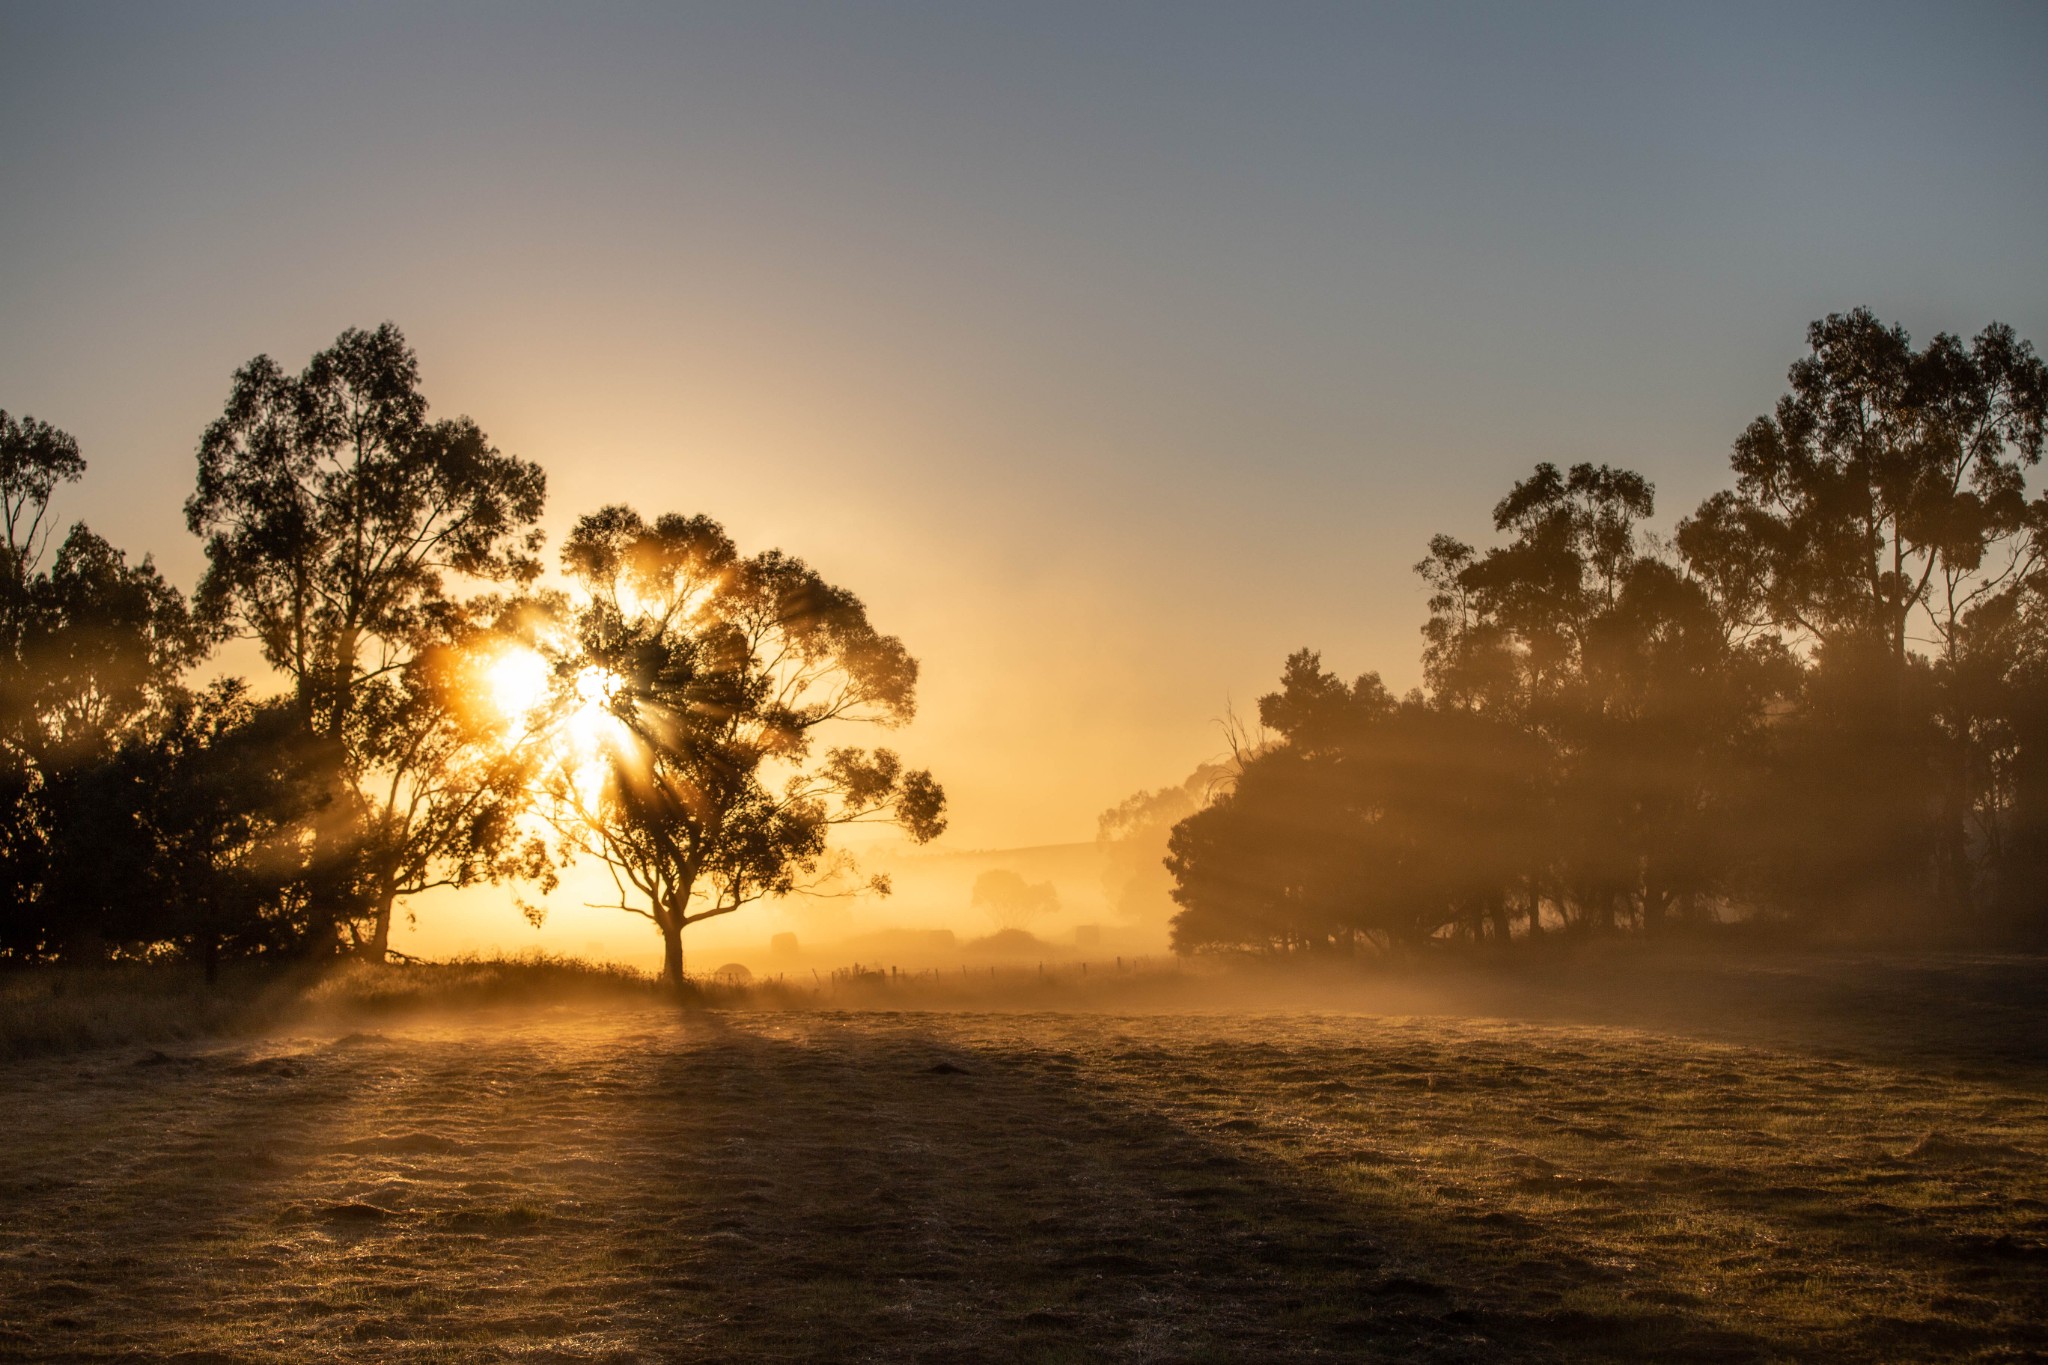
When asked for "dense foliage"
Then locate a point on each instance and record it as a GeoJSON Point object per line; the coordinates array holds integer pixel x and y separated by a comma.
{"type": "Point", "coordinates": [1822, 701]}
{"type": "Point", "coordinates": [383, 564]}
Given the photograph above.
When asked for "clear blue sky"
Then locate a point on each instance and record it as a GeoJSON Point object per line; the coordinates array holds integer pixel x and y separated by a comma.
{"type": "Point", "coordinates": [1111, 351]}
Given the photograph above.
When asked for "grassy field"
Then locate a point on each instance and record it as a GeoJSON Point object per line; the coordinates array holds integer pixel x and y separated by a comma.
{"type": "Point", "coordinates": [1772, 1159]}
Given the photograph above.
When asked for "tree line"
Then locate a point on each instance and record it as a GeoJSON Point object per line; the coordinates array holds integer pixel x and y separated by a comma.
{"type": "Point", "coordinates": [1821, 701]}
{"type": "Point", "coordinates": [435, 716]}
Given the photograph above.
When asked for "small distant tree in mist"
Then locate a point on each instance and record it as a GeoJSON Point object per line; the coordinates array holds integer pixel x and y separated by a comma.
{"type": "Point", "coordinates": [694, 696]}
{"type": "Point", "coordinates": [1012, 902]}
{"type": "Point", "coordinates": [1131, 837]}
{"type": "Point", "coordinates": [341, 524]}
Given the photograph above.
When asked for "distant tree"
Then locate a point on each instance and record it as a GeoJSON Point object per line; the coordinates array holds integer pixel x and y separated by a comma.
{"type": "Point", "coordinates": [697, 688]}
{"type": "Point", "coordinates": [1011, 901]}
{"type": "Point", "coordinates": [340, 523]}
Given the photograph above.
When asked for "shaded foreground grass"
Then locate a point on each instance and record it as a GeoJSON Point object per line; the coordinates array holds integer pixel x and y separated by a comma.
{"type": "Point", "coordinates": [614, 1180]}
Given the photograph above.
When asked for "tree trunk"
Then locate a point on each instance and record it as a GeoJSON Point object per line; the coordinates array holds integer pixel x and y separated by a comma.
{"type": "Point", "coordinates": [1497, 911]}
{"type": "Point", "coordinates": [672, 951]}
{"type": "Point", "coordinates": [379, 946]}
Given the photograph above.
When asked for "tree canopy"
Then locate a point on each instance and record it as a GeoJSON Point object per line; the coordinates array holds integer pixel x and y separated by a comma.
{"type": "Point", "coordinates": [341, 525]}
{"type": "Point", "coordinates": [1819, 702]}
{"type": "Point", "coordinates": [697, 684]}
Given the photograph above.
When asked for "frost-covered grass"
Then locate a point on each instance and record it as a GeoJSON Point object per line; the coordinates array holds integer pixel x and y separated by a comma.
{"type": "Point", "coordinates": [596, 1174]}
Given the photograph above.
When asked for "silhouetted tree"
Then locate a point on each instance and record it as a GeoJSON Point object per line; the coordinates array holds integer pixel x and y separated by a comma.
{"type": "Point", "coordinates": [91, 648]}
{"type": "Point", "coordinates": [339, 522]}
{"type": "Point", "coordinates": [1884, 506]}
{"type": "Point", "coordinates": [1626, 675]}
{"type": "Point", "coordinates": [1890, 482]}
{"type": "Point", "coordinates": [1823, 700]}
{"type": "Point", "coordinates": [448, 775]}
{"type": "Point", "coordinates": [699, 683]}
{"type": "Point", "coordinates": [1011, 901]}
{"type": "Point", "coordinates": [198, 832]}
{"type": "Point", "coordinates": [35, 458]}
{"type": "Point", "coordinates": [1277, 864]}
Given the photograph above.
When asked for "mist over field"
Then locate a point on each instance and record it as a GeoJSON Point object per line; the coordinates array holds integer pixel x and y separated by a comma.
{"type": "Point", "coordinates": [928, 919]}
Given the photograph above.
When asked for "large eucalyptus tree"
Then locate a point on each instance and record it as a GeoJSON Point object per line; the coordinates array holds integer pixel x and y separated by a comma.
{"type": "Point", "coordinates": [342, 528]}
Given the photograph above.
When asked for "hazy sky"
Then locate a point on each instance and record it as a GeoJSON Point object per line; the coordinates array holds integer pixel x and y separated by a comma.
{"type": "Point", "coordinates": [1109, 351]}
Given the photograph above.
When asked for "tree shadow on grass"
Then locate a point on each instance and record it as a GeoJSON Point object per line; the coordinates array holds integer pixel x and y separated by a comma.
{"type": "Point", "coordinates": [861, 1189]}
{"type": "Point", "coordinates": [362, 1198]}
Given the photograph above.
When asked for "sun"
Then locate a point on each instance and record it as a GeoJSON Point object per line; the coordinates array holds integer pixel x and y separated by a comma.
{"type": "Point", "coordinates": [518, 681]}
{"type": "Point", "coordinates": [596, 685]}
{"type": "Point", "coordinates": [577, 723]}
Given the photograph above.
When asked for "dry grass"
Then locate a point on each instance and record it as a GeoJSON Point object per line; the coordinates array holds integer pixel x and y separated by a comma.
{"type": "Point", "coordinates": [361, 990]}
{"type": "Point", "coordinates": [69, 1010]}
{"type": "Point", "coordinates": [607, 1178]}
{"type": "Point", "coordinates": [59, 1010]}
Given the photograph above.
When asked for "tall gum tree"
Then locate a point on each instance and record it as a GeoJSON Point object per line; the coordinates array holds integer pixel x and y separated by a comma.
{"type": "Point", "coordinates": [697, 688]}
{"type": "Point", "coordinates": [1887, 492]}
{"type": "Point", "coordinates": [1881, 520]}
{"type": "Point", "coordinates": [340, 524]}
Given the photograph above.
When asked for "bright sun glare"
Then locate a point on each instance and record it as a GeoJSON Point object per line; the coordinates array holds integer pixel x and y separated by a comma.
{"type": "Point", "coordinates": [518, 683]}
{"type": "Point", "coordinates": [595, 685]}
